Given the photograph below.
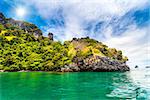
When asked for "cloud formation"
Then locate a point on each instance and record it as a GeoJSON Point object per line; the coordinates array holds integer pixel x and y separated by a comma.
{"type": "Point", "coordinates": [122, 24]}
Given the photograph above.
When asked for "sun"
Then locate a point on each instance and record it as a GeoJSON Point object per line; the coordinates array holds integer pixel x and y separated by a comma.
{"type": "Point", "coordinates": [21, 12]}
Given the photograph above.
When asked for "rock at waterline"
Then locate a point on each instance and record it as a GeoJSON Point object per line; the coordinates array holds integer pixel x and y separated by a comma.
{"type": "Point", "coordinates": [97, 64]}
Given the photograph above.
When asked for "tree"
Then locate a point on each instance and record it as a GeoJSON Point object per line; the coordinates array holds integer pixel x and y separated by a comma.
{"type": "Point", "coordinates": [49, 65]}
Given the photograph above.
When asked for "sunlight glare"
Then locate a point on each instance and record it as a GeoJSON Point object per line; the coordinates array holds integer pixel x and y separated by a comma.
{"type": "Point", "coordinates": [21, 12]}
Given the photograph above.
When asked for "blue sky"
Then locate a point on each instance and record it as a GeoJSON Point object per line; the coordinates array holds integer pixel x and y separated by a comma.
{"type": "Point", "coordinates": [123, 24]}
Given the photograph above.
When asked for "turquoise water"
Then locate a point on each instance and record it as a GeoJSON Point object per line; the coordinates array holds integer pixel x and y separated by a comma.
{"type": "Point", "coordinates": [134, 85]}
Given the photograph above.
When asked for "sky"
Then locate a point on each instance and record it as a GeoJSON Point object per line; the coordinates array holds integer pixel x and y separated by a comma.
{"type": "Point", "coordinates": [121, 24]}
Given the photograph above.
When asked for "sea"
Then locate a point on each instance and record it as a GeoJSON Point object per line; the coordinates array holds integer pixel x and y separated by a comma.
{"type": "Point", "coordinates": [131, 85]}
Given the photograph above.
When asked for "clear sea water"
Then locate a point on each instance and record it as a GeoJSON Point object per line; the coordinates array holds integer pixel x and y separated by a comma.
{"type": "Point", "coordinates": [133, 85]}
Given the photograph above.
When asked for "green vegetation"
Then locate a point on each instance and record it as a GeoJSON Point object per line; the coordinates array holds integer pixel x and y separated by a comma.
{"type": "Point", "coordinates": [21, 50]}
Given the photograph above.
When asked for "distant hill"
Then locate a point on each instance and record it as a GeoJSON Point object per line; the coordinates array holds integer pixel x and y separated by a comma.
{"type": "Point", "coordinates": [147, 67]}
{"type": "Point", "coordinates": [22, 47]}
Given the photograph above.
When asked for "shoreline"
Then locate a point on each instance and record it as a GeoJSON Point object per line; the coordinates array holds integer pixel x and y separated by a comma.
{"type": "Point", "coordinates": [60, 71]}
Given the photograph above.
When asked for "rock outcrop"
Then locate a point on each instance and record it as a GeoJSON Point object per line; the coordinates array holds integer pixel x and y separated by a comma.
{"type": "Point", "coordinates": [96, 64]}
{"type": "Point", "coordinates": [91, 55]}
{"type": "Point", "coordinates": [50, 36]}
{"type": "Point", "coordinates": [27, 27]}
{"type": "Point", "coordinates": [2, 18]}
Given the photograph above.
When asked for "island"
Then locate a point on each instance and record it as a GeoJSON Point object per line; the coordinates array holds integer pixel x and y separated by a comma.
{"type": "Point", "coordinates": [24, 48]}
{"type": "Point", "coordinates": [147, 67]}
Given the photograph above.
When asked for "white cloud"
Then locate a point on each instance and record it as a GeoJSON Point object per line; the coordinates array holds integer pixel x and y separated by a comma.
{"type": "Point", "coordinates": [134, 44]}
{"type": "Point", "coordinates": [92, 8]}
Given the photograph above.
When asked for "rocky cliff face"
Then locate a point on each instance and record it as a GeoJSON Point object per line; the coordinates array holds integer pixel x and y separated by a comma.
{"type": "Point", "coordinates": [2, 18]}
{"type": "Point", "coordinates": [27, 27]}
{"type": "Point", "coordinates": [92, 55]}
{"type": "Point", "coordinates": [96, 64]}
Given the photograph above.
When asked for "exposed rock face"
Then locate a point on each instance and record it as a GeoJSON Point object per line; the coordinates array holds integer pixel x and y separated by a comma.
{"type": "Point", "coordinates": [27, 27]}
{"type": "Point", "coordinates": [2, 18]}
{"type": "Point", "coordinates": [91, 55]}
{"type": "Point", "coordinates": [50, 36]}
{"type": "Point", "coordinates": [96, 64]}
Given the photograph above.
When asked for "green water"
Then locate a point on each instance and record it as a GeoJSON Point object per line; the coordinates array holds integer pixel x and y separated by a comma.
{"type": "Point", "coordinates": [75, 86]}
